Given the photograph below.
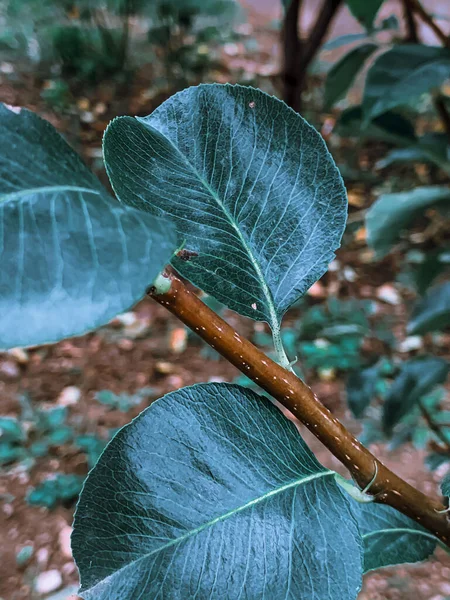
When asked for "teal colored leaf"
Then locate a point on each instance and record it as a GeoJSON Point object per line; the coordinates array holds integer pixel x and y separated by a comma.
{"type": "Point", "coordinates": [392, 213]}
{"type": "Point", "coordinates": [343, 40]}
{"type": "Point", "coordinates": [391, 538]}
{"type": "Point", "coordinates": [249, 184]}
{"type": "Point", "coordinates": [11, 430]}
{"type": "Point", "coordinates": [343, 73]}
{"type": "Point", "coordinates": [432, 313]}
{"type": "Point", "coordinates": [212, 493]}
{"type": "Point", "coordinates": [445, 485]}
{"type": "Point", "coordinates": [361, 389]}
{"type": "Point", "coordinates": [72, 257]}
{"type": "Point", "coordinates": [389, 127]}
{"type": "Point", "coordinates": [402, 74]}
{"type": "Point", "coordinates": [417, 377]}
{"type": "Point", "coordinates": [365, 11]}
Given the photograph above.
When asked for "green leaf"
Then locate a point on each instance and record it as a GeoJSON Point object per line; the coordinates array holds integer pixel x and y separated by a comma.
{"type": "Point", "coordinates": [250, 185]}
{"type": "Point", "coordinates": [402, 74]}
{"type": "Point", "coordinates": [365, 11]}
{"type": "Point", "coordinates": [391, 538]}
{"type": "Point", "coordinates": [392, 213]}
{"type": "Point", "coordinates": [11, 430]}
{"type": "Point", "coordinates": [416, 378]}
{"type": "Point", "coordinates": [361, 389]}
{"type": "Point", "coordinates": [432, 313]}
{"type": "Point", "coordinates": [72, 257]}
{"type": "Point", "coordinates": [445, 485]}
{"type": "Point", "coordinates": [389, 127]}
{"type": "Point", "coordinates": [342, 74]}
{"type": "Point", "coordinates": [211, 492]}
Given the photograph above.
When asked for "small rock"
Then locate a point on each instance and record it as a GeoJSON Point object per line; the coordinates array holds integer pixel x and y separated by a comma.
{"type": "Point", "coordinates": [19, 354]}
{"type": "Point", "coordinates": [334, 266]}
{"type": "Point", "coordinates": [387, 293]}
{"type": "Point", "coordinates": [42, 556]}
{"type": "Point", "coordinates": [445, 588]}
{"type": "Point", "coordinates": [175, 382]}
{"type": "Point", "coordinates": [87, 117]}
{"type": "Point", "coordinates": [7, 68]}
{"type": "Point", "coordinates": [413, 342]}
{"type": "Point", "coordinates": [125, 319]}
{"type": "Point", "coordinates": [68, 568]}
{"type": "Point", "coordinates": [178, 340]}
{"type": "Point", "coordinates": [317, 290]}
{"type": "Point", "coordinates": [8, 509]}
{"type": "Point", "coordinates": [10, 369]}
{"type": "Point", "coordinates": [165, 368]}
{"type": "Point", "coordinates": [69, 396]}
{"type": "Point", "coordinates": [48, 581]}
{"type": "Point", "coordinates": [216, 379]}
{"type": "Point", "coordinates": [64, 541]}
{"type": "Point", "coordinates": [349, 274]}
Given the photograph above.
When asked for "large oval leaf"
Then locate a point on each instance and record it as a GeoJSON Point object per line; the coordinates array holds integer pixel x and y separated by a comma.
{"type": "Point", "coordinates": [390, 538]}
{"type": "Point", "coordinates": [250, 185]}
{"type": "Point", "coordinates": [212, 493]}
{"type": "Point", "coordinates": [402, 74]}
{"type": "Point", "coordinates": [71, 256]}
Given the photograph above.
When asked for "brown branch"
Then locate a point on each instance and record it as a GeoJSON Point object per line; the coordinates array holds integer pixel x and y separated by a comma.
{"type": "Point", "coordinates": [436, 428]}
{"type": "Point", "coordinates": [417, 7]}
{"type": "Point", "coordinates": [298, 53]}
{"type": "Point", "coordinates": [411, 25]}
{"type": "Point", "coordinates": [298, 398]}
{"type": "Point", "coordinates": [320, 29]}
{"type": "Point", "coordinates": [292, 56]}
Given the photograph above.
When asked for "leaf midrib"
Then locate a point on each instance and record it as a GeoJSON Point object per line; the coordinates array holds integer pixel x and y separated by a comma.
{"type": "Point", "coordinates": [214, 521]}
{"type": "Point", "coordinates": [45, 190]}
{"type": "Point", "coordinates": [265, 289]}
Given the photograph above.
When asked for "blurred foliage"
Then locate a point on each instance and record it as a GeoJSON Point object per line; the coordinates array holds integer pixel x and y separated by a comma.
{"type": "Point", "coordinates": [90, 40]}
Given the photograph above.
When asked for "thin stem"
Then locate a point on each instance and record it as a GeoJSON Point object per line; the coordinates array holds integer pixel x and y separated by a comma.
{"type": "Point", "coordinates": [411, 25]}
{"type": "Point", "coordinates": [436, 428]}
{"type": "Point", "coordinates": [283, 359]}
{"type": "Point", "coordinates": [298, 398]}
{"type": "Point", "coordinates": [417, 7]}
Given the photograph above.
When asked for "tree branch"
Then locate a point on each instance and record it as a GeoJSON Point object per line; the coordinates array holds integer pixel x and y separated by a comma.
{"type": "Point", "coordinates": [298, 398]}
{"type": "Point", "coordinates": [298, 53]}
{"type": "Point", "coordinates": [441, 108]}
{"type": "Point", "coordinates": [411, 25]}
{"type": "Point", "coordinates": [428, 19]}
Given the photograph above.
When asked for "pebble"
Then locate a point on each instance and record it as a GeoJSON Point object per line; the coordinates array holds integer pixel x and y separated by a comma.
{"type": "Point", "coordinates": [387, 293]}
{"type": "Point", "coordinates": [445, 588]}
{"type": "Point", "coordinates": [10, 369]}
{"type": "Point", "coordinates": [69, 396]}
{"type": "Point", "coordinates": [48, 581]}
{"type": "Point", "coordinates": [64, 541]}
{"type": "Point", "coordinates": [413, 342]}
{"type": "Point", "coordinates": [42, 556]}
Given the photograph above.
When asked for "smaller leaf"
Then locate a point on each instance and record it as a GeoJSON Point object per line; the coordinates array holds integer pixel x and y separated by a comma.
{"type": "Point", "coordinates": [402, 74]}
{"type": "Point", "coordinates": [365, 11]}
{"type": "Point", "coordinates": [391, 538]}
{"type": "Point", "coordinates": [343, 73]}
{"type": "Point", "coordinates": [416, 378]}
{"type": "Point", "coordinates": [393, 212]}
{"type": "Point", "coordinates": [432, 313]}
{"type": "Point", "coordinates": [361, 389]}
{"type": "Point", "coordinates": [389, 127]}
{"type": "Point", "coordinates": [445, 485]}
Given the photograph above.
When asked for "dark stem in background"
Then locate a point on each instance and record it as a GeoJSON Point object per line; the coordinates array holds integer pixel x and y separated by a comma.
{"type": "Point", "coordinates": [298, 54]}
{"type": "Point", "coordinates": [428, 19]}
{"type": "Point", "coordinates": [412, 7]}
{"type": "Point", "coordinates": [301, 401]}
{"type": "Point", "coordinates": [436, 428]}
{"type": "Point", "coordinates": [411, 25]}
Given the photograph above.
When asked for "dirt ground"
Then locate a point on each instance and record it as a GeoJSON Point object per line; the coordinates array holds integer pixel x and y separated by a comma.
{"type": "Point", "coordinates": [152, 352]}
